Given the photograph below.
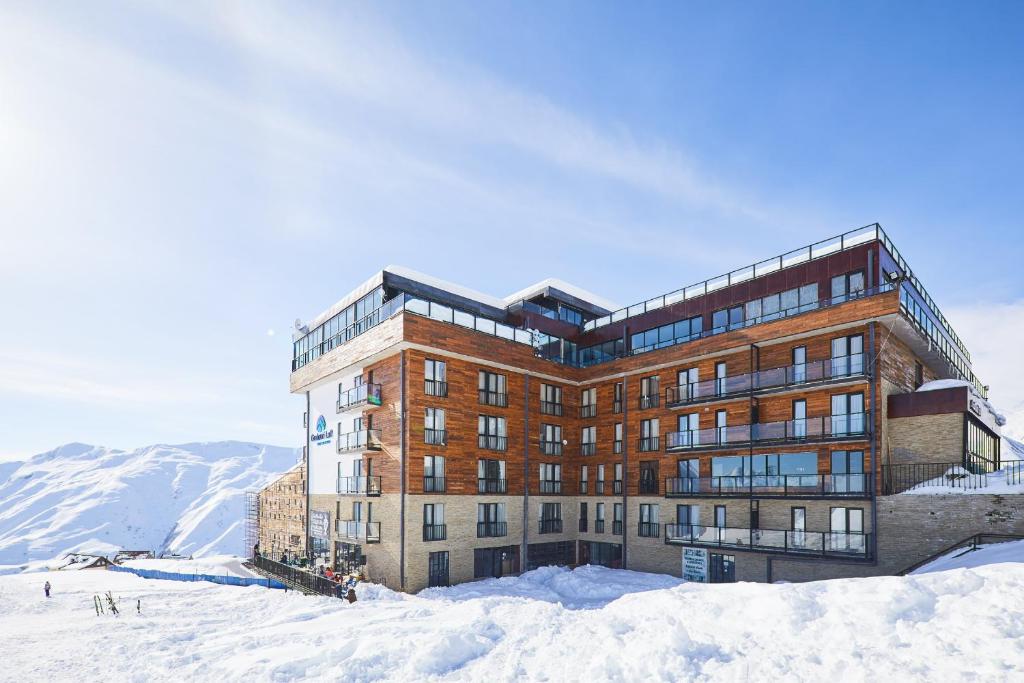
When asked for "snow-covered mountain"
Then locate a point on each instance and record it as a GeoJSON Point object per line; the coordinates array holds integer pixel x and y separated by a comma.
{"type": "Point", "coordinates": [187, 499]}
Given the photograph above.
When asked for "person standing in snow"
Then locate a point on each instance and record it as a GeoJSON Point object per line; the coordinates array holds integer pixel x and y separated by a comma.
{"type": "Point", "coordinates": [46, 588]}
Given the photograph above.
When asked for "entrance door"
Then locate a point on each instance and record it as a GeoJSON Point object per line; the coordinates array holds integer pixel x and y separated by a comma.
{"type": "Point", "coordinates": [437, 570]}
{"type": "Point", "coordinates": [722, 568]}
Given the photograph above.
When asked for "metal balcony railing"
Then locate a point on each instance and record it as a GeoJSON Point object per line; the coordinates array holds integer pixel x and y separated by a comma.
{"type": "Point", "coordinates": [829, 369]}
{"type": "Point", "coordinates": [617, 527]}
{"type": "Point", "coordinates": [363, 439]}
{"type": "Point", "coordinates": [649, 529]}
{"type": "Point", "coordinates": [434, 484]}
{"type": "Point", "coordinates": [588, 448]}
{"type": "Point", "coordinates": [550, 408]}
{"type": "Point", "coordinates": [617, 446]}
{"type": "Point", "coordinates": [584, 486]}
{"type": "Point", "coordinates": [492, 442]}
{"type": "Point", "coordinates": [853, 425]}
{"type": "Point", "coordinates": [357, 530]}
{"type": "Point", "coordinates": [435, 437]}
{"type": "Point", "coordinates": [364, 394]}
{"type": "Point", "coordinates": [491, 486]}
{"type": "Point", "coordinates": [550, 526]}
{"type": "Point", "coordinates": [617, 487]}
{"type": "Point", "coordinates": [491, 529]}
{"type": "Point", "coordinates": [598, 526]}
{"type": "Point", "coordinates": [599, 486]}
{"type": "Point", "coordinates": [549, 486]}
{"type": "Point", "coordinates": [856, 485]}
{"type": "Point", "coordinates": [835, 543]}
{"type": "Point", "coordinates": [493, 398]}
{"type": "Point", "coordinates": [645, 402]}
{"type": "Point", "coordinates": [435, 532]}
{"type": "Point", "coordinates": [648, 444]}
{"type": "Point", "coordinates": [435, 387]}
{"type": "Point", "coordinates": [551, 447]}
{"type": "Point", "coordinates": [588, 410]}
{"type": "Point", "coordinates": [582, 524]}
{"type": "Point", "coordinates": [359, 486]}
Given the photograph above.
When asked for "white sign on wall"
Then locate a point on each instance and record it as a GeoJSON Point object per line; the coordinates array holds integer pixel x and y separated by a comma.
{"type": "Point", "coordinates": [320, 524]}
{"type": "Point", "coordinates": [695, 565]}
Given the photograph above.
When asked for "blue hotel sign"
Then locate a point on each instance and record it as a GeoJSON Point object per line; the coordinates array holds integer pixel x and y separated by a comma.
{"type": "Point", "coordinates": [322, 436]}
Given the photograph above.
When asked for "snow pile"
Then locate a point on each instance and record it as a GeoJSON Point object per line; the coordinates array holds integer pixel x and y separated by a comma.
{"type": "Point", "coordinates": [965, 558]}
{"type": "Point", "coordinates": [959, 625]}
{"type": "Point", "coordinates": [187, 499]}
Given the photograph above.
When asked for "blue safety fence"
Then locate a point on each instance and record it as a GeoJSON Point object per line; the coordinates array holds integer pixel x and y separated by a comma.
{"type": "Point", "coordinates": [212, 578]}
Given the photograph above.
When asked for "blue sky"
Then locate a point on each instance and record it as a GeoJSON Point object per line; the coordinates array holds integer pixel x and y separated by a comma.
{"type": "Point", "coordinates": [178, 181]}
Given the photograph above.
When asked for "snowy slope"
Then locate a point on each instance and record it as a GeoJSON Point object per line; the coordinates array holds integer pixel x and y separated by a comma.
{"type": "Point", "coordinates": [550, 624]}
{"type": "Point", "coordinates": [964, 558]}
{"type": "Point", "coordinates": [187, 499]}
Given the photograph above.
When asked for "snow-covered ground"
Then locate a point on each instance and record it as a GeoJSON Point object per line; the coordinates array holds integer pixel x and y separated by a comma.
{"type": "Point", "coordinates": [216, 565]}
{"type": "Point", "coordinates": [550, 624]}
{"type": "Point", "coordinates": [187, 499]}
{"type": "Point", "coordinates": [964, 558]}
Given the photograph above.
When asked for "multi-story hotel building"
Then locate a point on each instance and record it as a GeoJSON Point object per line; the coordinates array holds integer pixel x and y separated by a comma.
{"type": "Point", "coordinates": [747, 427]}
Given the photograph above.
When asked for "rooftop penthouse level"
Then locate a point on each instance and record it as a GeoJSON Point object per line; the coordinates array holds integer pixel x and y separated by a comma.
{"type": "Point", "coordinates": [567, 325]}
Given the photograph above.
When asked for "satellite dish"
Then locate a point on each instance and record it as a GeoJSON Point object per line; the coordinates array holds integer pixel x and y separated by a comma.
{"type": "Point", "coordinates": [298, 324]}
{"type": "Point", "coordinates": [893, 276]}
{"type": "Point", "coordinates": [565, 442]}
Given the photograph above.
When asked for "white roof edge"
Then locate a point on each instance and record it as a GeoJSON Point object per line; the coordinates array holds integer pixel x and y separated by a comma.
{"type": "Point", "coordinates": [447, 286]}
{"type": "Point", "coordinates": [363, 289]}
{"type": "Point", "coordinates": [566, 287]}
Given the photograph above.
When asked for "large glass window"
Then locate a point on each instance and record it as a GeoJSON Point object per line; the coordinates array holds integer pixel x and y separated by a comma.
{"type": "Point", "coordinates": [848, 414]}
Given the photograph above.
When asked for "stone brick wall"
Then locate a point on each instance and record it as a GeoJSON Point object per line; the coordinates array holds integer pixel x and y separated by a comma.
{"type": "Point", "coordinates": [925, 438]}
{"type": "Point", "coordinates": [282, 514]}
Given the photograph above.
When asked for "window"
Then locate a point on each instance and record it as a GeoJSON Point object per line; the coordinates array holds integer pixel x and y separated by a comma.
{"type": "Point", "coordinates": [721, 378]}
{"type": "Point", "coordinates": [492, 389]}
{"type": "Point", "coordinates": [617, 519]}
{"type": "Point", "coordinates": [495, 562]}
{"type": "Point", "coordinates": [550, 518]}
{"type": "Point", "coordinates": [848, 472]}
{"type": "Point", "coordinates": [721, 427]}
{"type": "Point", "coordinates": [687, 516]}
{"type": "Point", "coordinates": [433, 474]}
{"type": "Point", "coordinates": [434, 528]}
{"type": "Point", "coordinates": [617, 482]}
{"type": "Point", "coordinates": [722, 568]}
{"type": "Point", "coordinates": [599, 518]}
{"type": "Point", "coordinates": [550, 477]}
{"type": "Point", "coordinates": [599, 488]}
{"type": "Point", "coordinates": [727, 319]}
{"type": "Point", "coordinates": [433, 427]}
{"type": "Point", "coordinates": [848, 356]}
{"type": "Point", "coordinates": [588, 402]}
{"type": "Point", "coordinates": [550, 399]}
{"type": "Point", "coordinates": [846, 529]}
{"type": "Point", "coordinates": [799, 424]}
{"type": "Point", "coordinates": [848, 414]}
{"type": "Point", "coordinates": [648, 477]}
{"type": "Point", "coordinates": [588, 441]}
{"type": "Point", "coordinates": [689, 431]}
{"type": "Point", "coordinates": [666, 335]}
{"type": "Point", "coordinates": [617, 442]}
{"type": "Point", "coordinates": [848, 286]}
{"type": "Point", "coordinates": [649, 392]}
{"type": "Point", "coordinates": [617, 402]}
{"type": "Point", "coordinates": [435, 373]}
{"type": "Point", "coordinates": [720, 522]}
{"type": "Point", "coordinates": [490, 476]}
{"type": "Point", "coordinates": [584, 483]}
{"type": "Point", "coordinates": [437, 569]}
{"type": "Point", "coordinates": [649, 526]}
{"type": "Point", "coordinates": [981, 445]}
{"type": "Point", "coordinates": [687, 385]}
{"type": "Point", "coordinates": [491, 433]}
{"type": "Point", "coordinates": [649, 436]}
{"type": "Point", "coordinates": [600, 353]}
{"type": "Point", "coordinates": [583, 517]}
{"type": "Point", "coordinates": [490, 520]}
{"type": "Point", "coordinates": [687, 477]}
{"type": "Point", "coordinates": [551, 439]}
{"type": "Point", "coordinates": [570, 315]}
{"type": "Point", "coordinates": [798, 372]}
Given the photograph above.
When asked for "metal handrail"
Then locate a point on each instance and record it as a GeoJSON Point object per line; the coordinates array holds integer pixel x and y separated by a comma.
{"type": "Point", "coordinates": [365, 393]}
{"type": "Point", "coordinates": [359, 486]}
{"type": "Point", "coordinates": [822, 427]}
{"type": "Point", "coordinates": [852, 485]}
{"type": "Point", "coordinates": [360, 439]}
{"type": "Point", "coordinates": [843, 543]}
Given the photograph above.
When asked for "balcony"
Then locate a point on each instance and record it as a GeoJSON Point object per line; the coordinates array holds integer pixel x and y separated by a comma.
{"type": "Point", "coordinates": [649, 529]}
{"type": "Point", "coordinates": [584, 486]}
{"type": "Point", "coordinates": [550, 408]}
{"type": "Point", "coordinates": [356, 530]}
{"type": "Point", "coordinates": [435, 387]}
{"type": "Point", "coordinates": [434, 485]}
{"type": "Point", "coordinates": [774, 379]}
{"type": "Point", "coordinates": [598, 526]}
{"type": "Point", "coordinates": [773, 486]}
{"type": "Point", "coordinates": [493, 398]}
{"type": "Point", "coordinates": [491, 529]}
{"type": "Point", "coordinates": [820, 543]}
{"type": "Point", "coordinates": [362, 440]}
{"type": "Point", "coordinates": [435, 437]}
{"type": "Point", "coordinates": [435, 532]}
{"type": "Point", "coordinates": [617, 487]}
{"type": "Point", "coordinates": [548, 486]}
{"type": "Point", "coordinates": [599, 487]}
{"type": "Point", "coordinates": [588, 448]}
{"type": "Point", "coordinates": [648, 444]}
{"type": "Point", "coordinates": [617, 527]}
{"type": "Point", "coordinates": [359, 486]}
{"type": "Point", "coordinates": [811, 429]}
{"type": "Point", "coordinates": [550, 526]}
{"type": "Point", "coordinates": [617, 446]}
{"type": "Point", "coordinates": [645, 402]}
{"type": "Point", "coordinates": [492, 442]}
{"type": "Point", "coordinates": [551, 447]}
{"type": "Point", "coordinates": [583, 524]}
{"type": "Point", "coordinates": [365, 394]}
{"type": "Point", "coordinates": [491, 486]}
{"type": "Point", "coordinates": [588, 410]}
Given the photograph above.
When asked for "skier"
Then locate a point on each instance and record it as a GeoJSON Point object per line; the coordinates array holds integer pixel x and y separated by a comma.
{"type": "Point", "coordinates": [46, 588]}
